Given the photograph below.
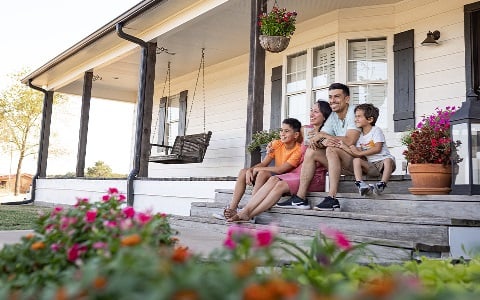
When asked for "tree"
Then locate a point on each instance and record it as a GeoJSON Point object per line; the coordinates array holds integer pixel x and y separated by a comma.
{"type": "Point", "coordinates": [20, 119]}
{"type": "Point", "coordinates": [100, 169]}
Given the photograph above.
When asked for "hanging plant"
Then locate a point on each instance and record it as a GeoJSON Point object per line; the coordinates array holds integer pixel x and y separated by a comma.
{"type": "Point", "coordinates": [276, 28]}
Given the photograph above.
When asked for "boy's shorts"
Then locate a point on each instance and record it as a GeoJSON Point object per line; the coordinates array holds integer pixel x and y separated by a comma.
{"type": "Point", "coordinates": [376, 168]}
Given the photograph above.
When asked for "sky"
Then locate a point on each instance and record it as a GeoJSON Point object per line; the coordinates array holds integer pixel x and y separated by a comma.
{"type": "Point", "coordinates": [34, 32]}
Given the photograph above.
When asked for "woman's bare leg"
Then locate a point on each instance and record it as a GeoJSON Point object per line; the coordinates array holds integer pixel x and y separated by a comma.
{"type": "Point", "coordinates": [259, 196]}
{"type": "Point", "coordinates": [280, 188]}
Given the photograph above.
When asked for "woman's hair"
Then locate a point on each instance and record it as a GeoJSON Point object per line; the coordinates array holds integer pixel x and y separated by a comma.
{"type": "Point", "coordinates": [325, 109]}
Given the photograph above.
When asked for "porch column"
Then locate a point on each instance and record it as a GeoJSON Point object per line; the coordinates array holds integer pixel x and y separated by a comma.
{"type": "Point", "coordinates": [147, 109]}
{"type": "Point", "coordinates": [85, 114]}
{"type": "Point", "coordinates": [45, 135]}
{"type": "Point", "coordinates": [256, 81]}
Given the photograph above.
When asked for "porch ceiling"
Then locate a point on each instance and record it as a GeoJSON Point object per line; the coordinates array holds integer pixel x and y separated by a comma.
{"type": "Point", "coordinates": [222, 28]}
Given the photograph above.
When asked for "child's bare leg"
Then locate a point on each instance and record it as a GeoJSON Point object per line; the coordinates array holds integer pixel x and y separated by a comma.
{"type": "Point", "coordinates": [280, 188]}
{"type": "Point", "coordinates": [239, 189]}
{"type": "Point", "coordinates": [387, 169]}
{"type": "Point", "coordinates": [259, 197]}
{"type": "Point", "coordinates": [357, 168]}
{"type": "Point", "coordinates": [260, 180]}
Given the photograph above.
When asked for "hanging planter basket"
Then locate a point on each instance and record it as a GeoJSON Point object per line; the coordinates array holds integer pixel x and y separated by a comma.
{"type": "Point", "coordinates": [274, 44]}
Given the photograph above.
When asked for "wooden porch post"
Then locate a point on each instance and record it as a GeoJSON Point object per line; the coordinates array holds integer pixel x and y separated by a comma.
{"type": "Point", "coordinates": [85, 114]}
{"type": "Point", "coordinates": [45, 134]}
{"type": "Point", "coordinates": [256, 81]}
{"type": "Point", "coordinates": [147, 109]}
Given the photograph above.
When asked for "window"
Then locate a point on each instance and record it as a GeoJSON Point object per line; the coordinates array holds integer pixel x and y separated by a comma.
{"type": "Point", "coordinates": [296, 87]}
{"type": "Point", "coordinates": [308, 79]}
{"type": "Point", "coordinates": [367, 73]}
{"type": "Point", "coordinates": [323, 71]}
{"type": "Point", "coordinates": [171, 119]}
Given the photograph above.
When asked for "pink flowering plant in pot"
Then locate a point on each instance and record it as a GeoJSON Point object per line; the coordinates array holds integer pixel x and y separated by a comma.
{"type": "Point", "coordinates": [431, 142]}
{"type": "Point", "coordinates": [277, 22]}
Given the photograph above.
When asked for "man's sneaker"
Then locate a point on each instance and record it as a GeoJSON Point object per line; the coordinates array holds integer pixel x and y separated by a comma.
{"type": "Point", "coordinates": [329, 203]}
{"type": "Point", "coordinates": [294, 202]}
{"type": "Point", "coordinates": [363, 188]}
{"type": "Point", "coordinates": [379, 187]}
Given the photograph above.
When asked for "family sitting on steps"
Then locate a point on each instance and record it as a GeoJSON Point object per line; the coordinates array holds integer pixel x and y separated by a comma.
{"type": "Point", "coordinates": [344, 141]}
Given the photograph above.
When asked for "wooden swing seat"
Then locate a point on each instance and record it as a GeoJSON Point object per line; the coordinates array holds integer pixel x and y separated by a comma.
{"type": "Point", "coordinates": [186, 149]}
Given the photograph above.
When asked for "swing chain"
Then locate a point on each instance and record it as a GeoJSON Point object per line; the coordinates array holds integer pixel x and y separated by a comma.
{"type": "Point", "coordinates": [200, 68]}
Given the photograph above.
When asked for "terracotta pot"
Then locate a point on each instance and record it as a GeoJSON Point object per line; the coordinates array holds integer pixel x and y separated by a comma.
{"type": "Point", "coordinates": [274, 43]}
{"type": "Point", "coordinates": [430, 179]}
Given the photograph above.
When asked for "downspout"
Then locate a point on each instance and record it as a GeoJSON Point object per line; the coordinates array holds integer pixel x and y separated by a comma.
{"type": "Point", "coordinates": [40, 151]}
{"type": "Point", "coordinates": [140, 108]}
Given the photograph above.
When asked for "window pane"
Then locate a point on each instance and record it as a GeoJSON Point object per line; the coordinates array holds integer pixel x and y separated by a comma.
{"type": "Point", "coordinates": [324, 65]}
{"type": "Point", "coordinates": [375, 94]}
{"type": "Point", "coordinates": [367, 60]}
{"type": "Point", "coordinates": [320, 95]}
{"type": "Point", "coordinates": [172, 119]}
{"type": "Point", "coordinates": [297, 108]}
{"type": "Point", "coordinates": [296, 72]}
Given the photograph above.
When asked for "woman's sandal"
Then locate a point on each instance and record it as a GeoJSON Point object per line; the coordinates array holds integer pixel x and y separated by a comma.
{"type": "Point", "coordinates": [237, 219]}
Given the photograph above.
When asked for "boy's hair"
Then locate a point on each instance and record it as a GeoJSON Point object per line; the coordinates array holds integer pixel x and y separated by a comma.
{"type": "Point", "coordinates": [294, 123]}
{"type": "Point", "coordinates": [369, 110]}
{"type": "Point", "coordinates": [340, 86]}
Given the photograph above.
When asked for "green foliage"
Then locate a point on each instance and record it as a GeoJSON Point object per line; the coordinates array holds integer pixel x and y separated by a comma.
{"type": "Point", "coordinates": [247, 267]}
{"type": "Point", "coordinates": [278, 22]}
{"type": "Point", "coordinates": [102, 170]}
{"type": "Point", "coordinates": [67, 238]}
{"type": "Point", "coordinates": [262, 138]}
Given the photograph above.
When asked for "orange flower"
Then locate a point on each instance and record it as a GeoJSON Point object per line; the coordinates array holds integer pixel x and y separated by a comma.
{"type": "Point", "coordinates": [244, 268]}
{"type": "Point", "coordinates": [29, 236]}
{"type": "Point", "coordinates": [131, 240]}
{"type": "Point", "coordinates": [37, 245]}
{"type": "Point", "coordinates": [100, 282]}
{"type": "Point", "coordinates": [180, 254]}
{"type": "Point", "coordinates": [256, 291]}
{"type": "Point", "coordinates": [185, 295]}
{"type": "Point", "coordinates": [379, 287]}
{"type": "Point", "coordinates": [281, 288]}
{"type": "Point", "coordinates": [61, 294]}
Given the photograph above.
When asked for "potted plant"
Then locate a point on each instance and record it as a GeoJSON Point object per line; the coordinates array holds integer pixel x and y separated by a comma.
{"type": "Point", "coordinates": [260, 139]}
{"type": "Point", "coordinates": [429, 153]}
{"type": "Point", "coordinates": [276, 27]}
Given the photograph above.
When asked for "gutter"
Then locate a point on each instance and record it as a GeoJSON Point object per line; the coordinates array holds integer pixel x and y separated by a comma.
{"type": "Point", "coordinates": [140, 108]}
{"type": "Point", "coordinates": [40, 151]}
{"type": "Point", "coordinates": [110, 27]}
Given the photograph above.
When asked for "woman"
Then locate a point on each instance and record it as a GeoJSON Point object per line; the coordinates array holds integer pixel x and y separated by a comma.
{"type": "Point", "coordinates": [277, 185]}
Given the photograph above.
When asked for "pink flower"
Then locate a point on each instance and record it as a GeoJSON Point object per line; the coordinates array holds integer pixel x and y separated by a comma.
{"type": "Point", "coordinates": [90, 216]}
{"type": "Point", "coordinates": [143, 218]}
{"type": "Point", "coordinates": [112, 190]}
{"type": "Point", "coordinates": [55, 247]}
{"type": "Point", "coordinates": [81, 201]}
{"type": "Point", "coordinates": [99, 245]}
{"type": "Point", "coordinates": [121, 197]}
{"type": "Point", "coordinates": [129, 212]}
{"type": "Point", "coordinates": [73, 253]}
{"type": "Point", "coordinates": [230, 243]}
{"type": "Point", "coordinates": [264, 238]}
{"type": "Point", "coordinates": [126, 224]}
{"type": "Point", "coordinates": [110, 224]}
{"type": "Point", "coordinates": [56, 210]}
{"type": "Point", "coordinates": [105, 198]}
{"type": "Point", "coordinates": [337, 236]}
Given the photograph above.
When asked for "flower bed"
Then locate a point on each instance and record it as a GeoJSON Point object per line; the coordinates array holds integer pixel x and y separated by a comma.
{"type": "Point", "coordinates": [105, 250]}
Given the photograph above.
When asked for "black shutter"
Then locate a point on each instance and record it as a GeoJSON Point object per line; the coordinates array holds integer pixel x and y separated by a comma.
{"type": "Point", "coordinates": [404, 81]}
{"type": "Point", "coordinates": [276, 98]}
{"type": "Point", "coordinates": [162, 112]}
{"type": "Point", "coordinates": [182, 113]}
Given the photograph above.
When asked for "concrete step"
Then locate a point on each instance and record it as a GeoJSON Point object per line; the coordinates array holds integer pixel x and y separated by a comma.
{"type": "Point", "coordinates": [378, 250]}
{"type": "Point", "coordinates": [448, 206]}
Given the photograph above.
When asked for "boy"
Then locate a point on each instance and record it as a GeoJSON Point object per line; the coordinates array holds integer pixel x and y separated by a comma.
{"type": "Point", "coordinates": [371, 153]}
{"type": "Point", "coordinates": [287, 154]}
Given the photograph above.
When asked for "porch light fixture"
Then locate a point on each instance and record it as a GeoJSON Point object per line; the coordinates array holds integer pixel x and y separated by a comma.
{"type": "Point", "coordinates": [431, 39]}
{"type": "Point", "coordinates": [465, 126]}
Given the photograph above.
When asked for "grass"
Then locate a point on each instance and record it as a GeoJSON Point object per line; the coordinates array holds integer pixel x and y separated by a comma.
{"type": "Point", "coordinates": [20, 217]}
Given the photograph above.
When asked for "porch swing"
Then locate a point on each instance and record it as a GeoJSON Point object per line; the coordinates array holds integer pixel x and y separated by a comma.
{"type": "Point", "coordinates": [186, 148]}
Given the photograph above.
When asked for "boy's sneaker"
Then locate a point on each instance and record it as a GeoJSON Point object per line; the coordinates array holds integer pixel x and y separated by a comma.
{"type": "Point", "coordinates": [294, 202]}
{"type": "Point", "coordinates": [363, 188]}
{"type": "Point", "coordinates": [329, 203]}
{"type": "Point", "coordinates": [379, 187]}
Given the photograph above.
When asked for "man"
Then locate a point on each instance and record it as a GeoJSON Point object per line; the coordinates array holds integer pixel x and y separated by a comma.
{"type": "Point", "coordinates": [325, 148]}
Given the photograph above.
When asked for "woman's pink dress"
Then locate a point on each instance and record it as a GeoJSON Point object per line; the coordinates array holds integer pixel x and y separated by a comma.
{"type": "Point", "coordinates": [293, 178]}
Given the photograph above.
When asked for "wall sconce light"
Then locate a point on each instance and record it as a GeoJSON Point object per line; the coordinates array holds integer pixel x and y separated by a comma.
{"type": "Point", "coordinates": [432, 38]}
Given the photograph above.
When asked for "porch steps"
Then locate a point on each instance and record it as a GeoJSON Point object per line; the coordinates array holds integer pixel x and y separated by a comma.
{"type": "Point", "coordinates": [398, 227]}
